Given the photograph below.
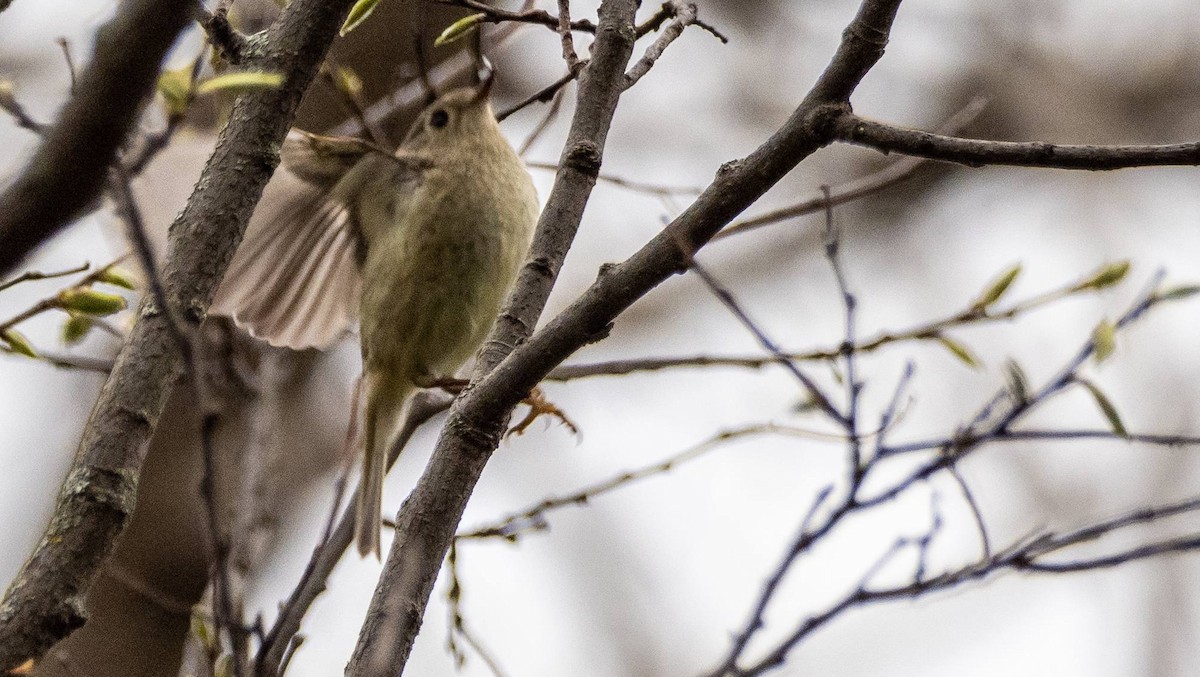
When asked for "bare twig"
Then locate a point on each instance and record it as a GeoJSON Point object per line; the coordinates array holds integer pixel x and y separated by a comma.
{"type": "Point", "coordinates": [684, 14]}
{"type": "Point", "coordinates": [65, 46]}
{"type": "Point", "coordinates": [1023, 555]}
{"type": "Point", "coordinates": [568, 39]}
{"type": "Point", "coordinates": [533, 518]}
{"type": "Point", "coordinates": [528, 16]}
{"type": "Point", "coordinates": [81, 362]}
{"type": "Point", "coordinates": [985, 542]}
{"type": "Point", "coordinates": [810, 386]}
{"type": "Point", "coordinates": [551, 92]}
{"type": "Point", "coordinates": [543, 124]}
{"type": "Point", "coordinates": [458, 624]}
{"type": "Point", "coordinates": [923, 331]}
{"type": "Point", "coordinates": [894, 173]}
{"type": "Point", "coordinates": [122, 192]}
{"type": "Point", "coordinates": [10, 105]}
{"type": "Point", "coordinates": [37, 275]}
{"type": "Point", "coordinates": [629, 184]}
{"type": "Point", "coordinates": [757, 615]}
{"type": "Point", "coordinates": [976, 153]}
{"type": "Point", "coordinates": [847, 352]}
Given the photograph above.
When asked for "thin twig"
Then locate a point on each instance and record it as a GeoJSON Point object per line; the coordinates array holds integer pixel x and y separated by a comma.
{"type": "Point", "coordinates": [894, 173]}
{"type": "Point", "coordinates": [985, 542]}
{"type": "Point", "coordinates": [65, 46]}
{"type": "Point", "coordinates": [757, 621]}
{"type": "Point", "coordinates": [684, 14]}
{"type": "Point", "coordinates": [37, 275]}
{"type": "Point", "coordinates": [920, 332]}
{"type": "Point", "coordinates": [847, 352]}
{"type": "Point", "coordinates": [10, 105]}
{"type": "Point", "coordinates": [568, 39]}
{"type": "Point", "coordinates": [122, 193]}
{"type": "Point", "coordinates": [886, 138]}
{"type": "Point", "coordinates": [1022, 555]}
{"type": "Point", "coordinates": [543, 124]}
{"type": "Point", "coordinates": [530, 16]}
{"type": "Point", "coordinates": [727, 299]}
{"type": "Point", "coordinates": [629, 184]}
{"type": "Point", "coordinates": [458, 624]}
{"type": "Point", "coordinates": [331, 72]}
{"type": "Point", "coordinates": [533, 517]}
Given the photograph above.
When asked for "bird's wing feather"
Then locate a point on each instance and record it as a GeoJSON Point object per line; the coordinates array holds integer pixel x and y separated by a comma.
{"type": "Point", "coordinates": [294, 280]}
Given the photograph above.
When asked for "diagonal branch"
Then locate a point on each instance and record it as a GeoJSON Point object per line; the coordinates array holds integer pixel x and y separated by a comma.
{"type": "Point", "coordinates": [428, 519]}
{"type": "Point", "coordinates": [44, 602]}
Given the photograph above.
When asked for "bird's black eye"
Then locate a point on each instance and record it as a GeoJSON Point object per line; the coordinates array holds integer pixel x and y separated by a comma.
{"type": "Point", "coordinates": [439, 118]}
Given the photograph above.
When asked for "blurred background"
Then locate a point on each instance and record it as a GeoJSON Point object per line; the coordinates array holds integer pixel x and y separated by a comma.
{"type": "Point", "coordinates": [654, 579]}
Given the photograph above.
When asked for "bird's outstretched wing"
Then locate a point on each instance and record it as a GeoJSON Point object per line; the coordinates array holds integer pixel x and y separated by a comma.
{"type": "Point", "coordinates": [294, 280]}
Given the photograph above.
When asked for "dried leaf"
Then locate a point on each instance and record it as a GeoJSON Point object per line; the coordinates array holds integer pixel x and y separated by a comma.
{"type": "Point", "coordinates": [90, 301]}
{"type": "Point", "coordinates": [348, 82]}
{"type": "Point", "coordinates": [19, 344]}
{"type": "Point", "coordinates": [1104, 340]}
{"type": "Point", "coordinates": [76, 328]}
{"type": "Point", "coordinates": [7, 96]}
{"type": "Point", "coordinates": [242, 81]}
{"type": "Point", "coordinates": [1106, 408]}
{"type": "Point", "coordinates": [1018, 384]}
{"type": "Point", "coordinates": [358, 14]}
{"type": "Point", "coordinates": [960, 351]}
{"type": "Point", "coordinates": [459, 29]}
{"type": "Point", "coordinates": [1107, 276]}
{"type": "Point", "coordinates": [202, 631]}
{"type": "Point", "coordinates": [117, 276]}
{"type": "Point", "coordinates": [175, 86]}
{"type": "Point", "coordinates": [997, 288]}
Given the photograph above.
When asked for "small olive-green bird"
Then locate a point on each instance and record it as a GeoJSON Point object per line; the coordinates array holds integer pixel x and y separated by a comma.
{"type": "Point", "coordinates": [423, 244]}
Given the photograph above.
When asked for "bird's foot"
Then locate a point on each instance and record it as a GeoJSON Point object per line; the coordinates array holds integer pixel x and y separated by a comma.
{"type": "Point", "coordinates": [539, 406]}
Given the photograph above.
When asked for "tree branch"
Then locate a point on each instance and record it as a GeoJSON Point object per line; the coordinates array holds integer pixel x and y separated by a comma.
{"type": "Point", "coordinates": [69, 170]}
{"type": "Point", "coordinates": [44, 602]}
{"type": "Point", "coordinates": [977, 153]}
{"type": "Point", "coordinates": [427, 522]}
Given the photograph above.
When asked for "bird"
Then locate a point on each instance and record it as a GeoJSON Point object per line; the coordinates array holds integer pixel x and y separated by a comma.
{"type": "Point", "coordinates": [421, 245]}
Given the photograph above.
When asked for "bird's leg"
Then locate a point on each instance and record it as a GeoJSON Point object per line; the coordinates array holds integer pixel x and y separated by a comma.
{"type": "Point", "coordinates": [536, 401]}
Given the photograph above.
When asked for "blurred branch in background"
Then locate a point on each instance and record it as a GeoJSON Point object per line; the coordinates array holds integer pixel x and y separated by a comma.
{"type": "Point", "coordinates": [70, 168]}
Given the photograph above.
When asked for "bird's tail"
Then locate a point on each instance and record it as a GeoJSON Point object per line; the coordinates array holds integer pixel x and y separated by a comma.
{"type": "Point", "coordinates": [384, 413]}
